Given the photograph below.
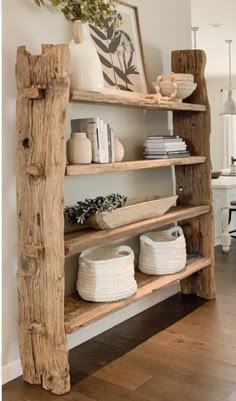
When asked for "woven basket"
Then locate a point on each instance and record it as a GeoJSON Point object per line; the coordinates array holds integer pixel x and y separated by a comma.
{"type": "Point", "coordinates": [106, 274]}
{"type": "Point", "coordinates": [162, 252]}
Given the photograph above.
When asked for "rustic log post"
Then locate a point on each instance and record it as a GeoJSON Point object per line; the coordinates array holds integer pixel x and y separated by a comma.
{"type": "Point", "coordinates": [194, 182]}
{"type": "Point", "coordinates": [43, 95]}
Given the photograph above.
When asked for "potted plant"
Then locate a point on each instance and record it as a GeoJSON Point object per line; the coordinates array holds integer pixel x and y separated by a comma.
{"type": "Point", "coordinates": [86, 69]}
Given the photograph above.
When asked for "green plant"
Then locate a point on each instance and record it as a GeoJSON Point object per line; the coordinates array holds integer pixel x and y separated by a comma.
{"type": "Point", "coordinates": [80, 212]}
{"type": "Point", "coordinates": [96, 12]}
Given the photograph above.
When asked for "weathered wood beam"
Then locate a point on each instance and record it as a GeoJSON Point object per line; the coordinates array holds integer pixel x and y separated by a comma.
{"type": "Point", "coordinates": [194, 182]}
{"type": "Point", "coordinates": [40, 128]}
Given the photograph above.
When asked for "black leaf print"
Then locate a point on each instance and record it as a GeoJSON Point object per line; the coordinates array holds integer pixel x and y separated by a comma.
{"type": "Point", "coordinates": [98, 32]}
{"type": "Point", "coordinates": [130, 59]}
{"type": "Point", "coordinates": [104, 61]}
{"type": "Point", "coordinates": [108, 80]}
{"type": "Point", "coordinates": [123, 88]}
{"type": "Point", "coordinates": [110, 31]}
{"type": "Point", "coordinates": [122, 75]}
{"type": "Point", "coordinates": [100, 44]}
{"type": "Point", "coordinates": [131, 70]}
{"type": "Point", "coordinates": [114, 44]}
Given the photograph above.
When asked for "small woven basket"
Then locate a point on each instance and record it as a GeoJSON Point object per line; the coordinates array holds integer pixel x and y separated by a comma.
{"type": "Point", "coordinates": [162, 252]}
{"type": "Point", "coordinates": [106, 274]}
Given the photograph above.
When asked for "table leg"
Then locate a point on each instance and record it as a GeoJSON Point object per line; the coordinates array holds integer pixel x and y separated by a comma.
{"type": "Point", "coordinates": [225, 236]}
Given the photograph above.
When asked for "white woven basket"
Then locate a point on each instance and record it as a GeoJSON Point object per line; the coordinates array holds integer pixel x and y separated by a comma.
{"type": "Point", "coordinates": [162, 252]}
{"type": "Point", "coordinates": [106, 274]}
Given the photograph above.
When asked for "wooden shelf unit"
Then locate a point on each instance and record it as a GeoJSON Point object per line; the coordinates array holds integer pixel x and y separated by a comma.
{"type": "Point", "coordinates": [79, 313]}
{"type": "Point", "coordinates": [78, 241]}
{"type": "Point", "coordinates": [125, 101]}
{"type": "Point", "coordinates": [43, 96]}
{"type": "Point", "coordinates": [79, 169]}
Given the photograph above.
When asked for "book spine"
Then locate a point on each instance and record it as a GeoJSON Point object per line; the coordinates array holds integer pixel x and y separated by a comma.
{"type": "Point", "coordinates": [105, 141]}
{"type": "Point", "coordinates": [112, 147]}
{"type": "Point", "coordinates": [164, 151]}
{"type": "Point", "coordinates": [92, 132]}
{"type": "Point", "coordinates": [109, 140]}
{"type": "Point", "coordinates": [102, 143]}
{"type": "Point", "coordinates": [165, 148]}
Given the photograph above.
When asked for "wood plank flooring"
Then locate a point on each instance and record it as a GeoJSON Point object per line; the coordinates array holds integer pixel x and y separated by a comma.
{"type": "Point", "coordinates": [183, 349]}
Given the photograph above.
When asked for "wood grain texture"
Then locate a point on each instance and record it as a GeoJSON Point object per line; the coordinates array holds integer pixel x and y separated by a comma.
{"type": "Point", "coordinates": [128, 101]}
{"type": "Point", "coordinates": [40, 126]}
{"type": "Point", "coordinates": [78, 241]}
{"type": "Point", "coordinates": [80, 169]}
{"type": "Point", "coordinates": [79, 313]}
{"type": "Point", "coordinates": [194, 183]}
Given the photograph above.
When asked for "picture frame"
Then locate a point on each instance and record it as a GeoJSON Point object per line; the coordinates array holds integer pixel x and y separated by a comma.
{"type": "Point", "coordinates": [121, 54]}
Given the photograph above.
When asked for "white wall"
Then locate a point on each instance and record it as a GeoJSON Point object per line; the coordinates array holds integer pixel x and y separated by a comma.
{"type": "Point", "coordinates": [214, 87]}
{"type": "Point", "coordinates": [212, 38]}
{"type": "Point", "coordinates": [26, 25]}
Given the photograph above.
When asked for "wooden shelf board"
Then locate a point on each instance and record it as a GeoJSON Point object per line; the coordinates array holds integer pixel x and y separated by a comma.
{"type": "Point", "coordinates": [94, 168]}
{"type": "Point", "coordinates": [138, 102]}
{"type": "Point", "coordinates": [78, 241]}
{"type": "Point", "coordinates": [79, 313]}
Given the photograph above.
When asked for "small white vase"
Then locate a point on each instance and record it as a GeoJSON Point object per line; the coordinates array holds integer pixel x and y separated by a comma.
{"type": "Point", "coordinates": [79, 149]}
{"type": "Point", "coordinates": [86, 68]}
{"type": "Point", "coordinates": [119, 151]}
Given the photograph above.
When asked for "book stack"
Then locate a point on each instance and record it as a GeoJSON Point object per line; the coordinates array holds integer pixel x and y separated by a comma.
{"type": "Point", "coordinates": [165, 147]}
{"type": "Point", "coordinates": [100, 135]}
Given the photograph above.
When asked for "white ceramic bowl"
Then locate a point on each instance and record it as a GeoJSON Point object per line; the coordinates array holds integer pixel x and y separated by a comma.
{"type": "Point", "coordinates": [181, 84]}
{"type": "Point", "coordinates": [184, 89]}
{"type": "Point", "coordinates": [178, 77]}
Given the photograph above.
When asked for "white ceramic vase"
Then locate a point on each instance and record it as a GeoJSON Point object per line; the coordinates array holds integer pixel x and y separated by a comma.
{"type": "Point", "coordinates": [79, 149]}
{"type": "Point", "coordinates": [86, 68]}
{"type": "Point", "coordinates": [119, 151]}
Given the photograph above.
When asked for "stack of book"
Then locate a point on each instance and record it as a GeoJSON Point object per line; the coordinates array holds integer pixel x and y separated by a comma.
{"type": "Point", "coordinates": [100, 135]}
{"type": "Point", "coordinates": [165, 147]}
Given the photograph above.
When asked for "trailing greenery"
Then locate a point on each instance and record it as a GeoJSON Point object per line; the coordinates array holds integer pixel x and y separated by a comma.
{"type": "Point", "coordinates": [96, 12]}
{"type": "Point", "coordinates": [84, 209]}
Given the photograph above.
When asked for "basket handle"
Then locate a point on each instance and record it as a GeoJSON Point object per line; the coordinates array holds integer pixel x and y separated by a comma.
{"type": "Point", "coordinates": [146, 240]}
{"type": "Point", "coordinates": [176, 229]}
{"type": "Point", "coordinates": [125, 250]}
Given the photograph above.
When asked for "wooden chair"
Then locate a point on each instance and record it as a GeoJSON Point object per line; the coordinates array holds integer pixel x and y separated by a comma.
{"type": "Point", "coordinates": [231, 210]}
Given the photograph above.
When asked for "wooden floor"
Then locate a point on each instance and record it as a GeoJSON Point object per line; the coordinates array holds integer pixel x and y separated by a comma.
{"type": "Point", "coordinates": [183, 349]}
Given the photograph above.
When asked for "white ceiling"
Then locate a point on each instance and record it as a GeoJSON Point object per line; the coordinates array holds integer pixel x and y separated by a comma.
{"type": "Point", "coordinates": [212, 39]}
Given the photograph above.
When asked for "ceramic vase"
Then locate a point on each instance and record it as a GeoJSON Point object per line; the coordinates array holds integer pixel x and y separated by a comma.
{"type": "Point", "coordinates": [119, 151]}
{"type": "Point", "coordinates": [86, 68]}
{"type": "Point", "coordinates": [79, 149]}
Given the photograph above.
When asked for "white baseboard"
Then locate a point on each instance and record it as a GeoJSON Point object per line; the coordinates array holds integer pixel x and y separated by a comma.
{"type": "Point", "coordinates": [13, 369]}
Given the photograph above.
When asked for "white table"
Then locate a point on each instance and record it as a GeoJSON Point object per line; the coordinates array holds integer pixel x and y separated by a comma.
{"type": "Point", "coordinates": [224, 191]}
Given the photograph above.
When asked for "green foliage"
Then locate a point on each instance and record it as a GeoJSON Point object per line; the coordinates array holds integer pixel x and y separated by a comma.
{"type": "Point", "coordinates": [96, 12]}
{"type": "Point", "coordinates": [84, 209]}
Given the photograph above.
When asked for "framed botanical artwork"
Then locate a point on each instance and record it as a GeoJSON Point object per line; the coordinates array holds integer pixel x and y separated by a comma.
{"type": "Point", "coordinates": [121, 53]}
